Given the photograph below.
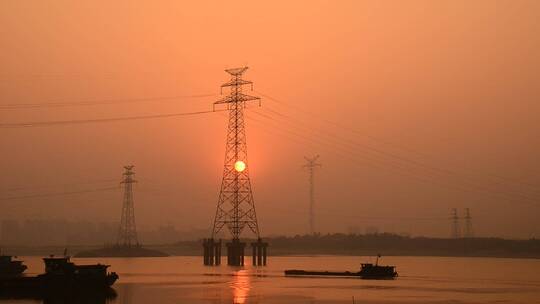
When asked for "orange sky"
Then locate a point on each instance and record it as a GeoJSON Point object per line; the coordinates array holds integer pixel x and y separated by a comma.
{"type": "Point", "coordinates": [437, 102]}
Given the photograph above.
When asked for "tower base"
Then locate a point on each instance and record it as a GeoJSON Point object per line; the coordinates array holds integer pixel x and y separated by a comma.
{"type": "Point", "coordinates": [258, 250]}
{"type": "Point", "coordinates": [212, 252]}
{"type": "Point", "coordinates": [235, 253]}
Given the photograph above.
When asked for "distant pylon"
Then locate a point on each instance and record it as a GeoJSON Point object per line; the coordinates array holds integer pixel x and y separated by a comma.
{"type": "Point", "coordinates": [311, 165]}
{"type": "Point", "coordinates": [127, 235]}
{"type": "Point", "coordinates": [455, 231]}
{"type": "Point", "coordinates": [469, 233]}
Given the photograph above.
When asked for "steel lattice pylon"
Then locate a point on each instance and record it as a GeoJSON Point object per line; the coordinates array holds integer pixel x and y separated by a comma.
{"type": "Point", "coordinates": [127, 234]}
{"type": "Point", "coordinates": [311, 166]}
{"type": "Point", "coordinates": [455, 233]}
{"type": "Point", "coordinates": [236, 208]}
{"type": "Point", "coordinates": [469, 232]}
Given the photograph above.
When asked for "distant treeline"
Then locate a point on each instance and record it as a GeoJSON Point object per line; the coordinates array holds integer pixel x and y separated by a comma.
{"type": "Point", "coordinates": [345, 244]}
{"type": "Point", "coordinates": [387, 244]}
{"type": "Point", "coordinates": [391, 244]}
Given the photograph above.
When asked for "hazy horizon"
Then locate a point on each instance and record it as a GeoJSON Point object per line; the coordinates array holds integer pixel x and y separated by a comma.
{"type": "Point", "coordinates": [414, 107]}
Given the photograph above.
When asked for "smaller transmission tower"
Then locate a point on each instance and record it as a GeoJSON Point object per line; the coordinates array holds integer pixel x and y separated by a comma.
{"type": "Point", "coordinates": [127, 235]}
{"type": "Point", "coordinates": [311, 165]}
{"type": "Point", "coordinates": [455, 224]}
{"type": "Point", "coordinates": [468, 224]}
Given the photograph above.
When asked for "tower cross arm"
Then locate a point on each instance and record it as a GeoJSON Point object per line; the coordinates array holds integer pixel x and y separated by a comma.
{"type": "Point", "coordinates": [312, 162]}
{"type": "Point", "coordinates": [240, 97]}
{"type": "Point", "coordinates": [236, 82]}
{"type": "Point", "coordinates": [128, 181]}
{"type": "Point", "coordinates": [236, 71]}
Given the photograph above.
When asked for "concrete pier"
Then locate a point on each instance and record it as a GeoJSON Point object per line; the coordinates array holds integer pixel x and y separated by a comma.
{"type": "Point", "coordinates": [235, 253]}
{"type": "Point", "coordinates": [259, 251]}
{"type": "Point", "coordinates": [212, 252]}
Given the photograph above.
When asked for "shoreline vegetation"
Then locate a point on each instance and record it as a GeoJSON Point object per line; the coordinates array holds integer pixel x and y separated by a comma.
{"type": "Point", "coordinates": [135, 251]}
{"type": "Point", "coordinates": [339, 244]}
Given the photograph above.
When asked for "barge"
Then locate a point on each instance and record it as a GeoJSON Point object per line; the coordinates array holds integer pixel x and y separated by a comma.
{"type": "Point", "coordinates": [367, 271]}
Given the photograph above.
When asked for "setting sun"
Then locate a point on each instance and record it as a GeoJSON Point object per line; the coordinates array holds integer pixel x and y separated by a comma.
{"type": "Point", "coordinates": [239, 166]}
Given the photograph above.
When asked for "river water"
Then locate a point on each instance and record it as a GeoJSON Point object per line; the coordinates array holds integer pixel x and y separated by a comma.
{"type": "Point", "coordinates": [421, 280]}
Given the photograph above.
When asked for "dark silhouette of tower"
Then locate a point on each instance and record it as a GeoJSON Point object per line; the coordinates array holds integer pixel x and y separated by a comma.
{"type": "Point", "coordinates": [127, 235]}
{"type": "Point", "coordinates": [469, 233]}
{"type": "Point", "coordinates": [455, 231]}
{"type": "Point", "coordinates": [236, 208]}
{"type": "Point", "coordinates": [311, 166]}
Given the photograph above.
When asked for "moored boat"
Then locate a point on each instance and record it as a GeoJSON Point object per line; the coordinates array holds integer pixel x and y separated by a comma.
{"type": "Point", "coordinates": [61, 276]}
{"type": "Point", "coordinates": [10, 267]}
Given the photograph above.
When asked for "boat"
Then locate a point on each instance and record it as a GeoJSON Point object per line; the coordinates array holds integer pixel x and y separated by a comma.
{"type": "Point", "coordinates": [370, 271]}
{"type": "Point", "coordinates": [367, 271]}
{"type": "Point", "coordinates": [321, 273]}
{"type": "Point", "coordinates": [61, 276]}
{"type": "Point", "coordinates": [10, 267]}
{"type": "Point", "coordinates": [374, 272]}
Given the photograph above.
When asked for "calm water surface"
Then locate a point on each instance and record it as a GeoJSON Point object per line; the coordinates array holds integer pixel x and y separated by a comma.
{"type": "Point", "coordinates": [422, 280]}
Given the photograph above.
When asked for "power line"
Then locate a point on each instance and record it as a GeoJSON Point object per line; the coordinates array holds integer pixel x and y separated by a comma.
{"type": "Point", "coordinates": [99, 120]}
{"type": "Point", "coordinates": [350, 154]}
{"type": "Point", "coordinates": [352, 130]}
{"type": "Point", "coordinates": [434, 171]}
{"type": "Point", "coordinates": [399, 159]}
{"type": "Point", "coordinates": [93, 102]}
{"type": "Point", "coordinates": [401, 167]}
{"type": "Point", "coordinates": [22, 188]}
{"type": "Point", "coordinates": [349, 214]}
{"type": "Point", "coordinates": [52, 194]}
{"type": "Point", "coordinates": [339, 125]}
{"type": "Point", "coordinates": [345, 151]}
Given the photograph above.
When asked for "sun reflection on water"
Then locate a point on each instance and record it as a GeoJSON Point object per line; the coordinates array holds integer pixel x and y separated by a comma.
{"type": "Point", "coordinates": [240, 286]}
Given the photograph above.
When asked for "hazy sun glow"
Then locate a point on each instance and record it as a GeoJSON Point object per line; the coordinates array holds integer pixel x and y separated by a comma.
{"type": "Point", "coordinates": [239, 166]}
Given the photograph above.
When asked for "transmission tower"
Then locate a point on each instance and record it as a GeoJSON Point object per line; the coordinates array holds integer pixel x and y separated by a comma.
{"type": "Point", "coordinates": [311, 165]}
{"type": "Point", "coordinates": [455, 233]}
{"type": "Point", "coordinates": [236, 207]}
{"type": "Point", "coordinates": [127, 235]}
{"type": "Point", "coordinates": [469, 233]}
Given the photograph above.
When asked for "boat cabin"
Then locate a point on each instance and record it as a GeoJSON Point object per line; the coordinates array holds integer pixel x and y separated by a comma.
{"type": "Point", "coordinates": [63, 265]}
{"type": "Point", "coordinates": [5, 259]}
